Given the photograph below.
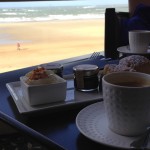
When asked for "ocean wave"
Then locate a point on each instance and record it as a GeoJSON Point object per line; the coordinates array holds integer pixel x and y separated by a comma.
{"type": "Point", "coordinates": [75, 17]}
{"type": "Point", "coordinates": [8, 13]}
{"type": "Point", "coordinates": [5, 9]}
{"type": "Point", "coordinates": [51, 17]}
{"type": "Point", "coordinates": [87, 7]}
{"type": "Point", "coordinates": [32, 10]}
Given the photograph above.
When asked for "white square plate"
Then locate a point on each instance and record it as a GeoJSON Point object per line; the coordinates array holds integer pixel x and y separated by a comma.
{"type": "Point", "coordinates": [73, 97]}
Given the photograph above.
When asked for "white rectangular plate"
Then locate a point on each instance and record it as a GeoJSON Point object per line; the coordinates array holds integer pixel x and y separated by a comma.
{"type": "Point", "coordinates": [73, 97]}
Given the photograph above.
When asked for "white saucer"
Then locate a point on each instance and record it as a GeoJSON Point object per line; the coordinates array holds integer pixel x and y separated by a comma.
{"type": "Point", "coordinates": [92, 123]}
{"type": "Point", "coordinates": [126, 50]}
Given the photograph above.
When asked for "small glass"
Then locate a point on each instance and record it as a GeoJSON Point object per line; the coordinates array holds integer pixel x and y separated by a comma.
{"type": "Point", "coordinates": [55, 67]}
{"type": "Point", "coordinates": [86, 77]}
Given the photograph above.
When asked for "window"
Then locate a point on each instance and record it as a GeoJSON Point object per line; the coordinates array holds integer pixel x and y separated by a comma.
{"type": "Point", "coordinates": [39, 32]}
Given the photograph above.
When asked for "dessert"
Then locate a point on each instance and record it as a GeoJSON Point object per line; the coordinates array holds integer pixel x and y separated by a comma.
{"type": "Point", "coordinates": [109, 68]}
{"type": "Point", "coordinates": [41, 86]}
{"type": "Point", "coordinates": [41, 76]}
{"type": "Point", "coordinates": [136, 63]}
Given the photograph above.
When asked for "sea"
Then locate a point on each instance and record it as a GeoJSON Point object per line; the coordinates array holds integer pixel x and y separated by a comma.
{"type": "Point", "coordinates": [50, 13]}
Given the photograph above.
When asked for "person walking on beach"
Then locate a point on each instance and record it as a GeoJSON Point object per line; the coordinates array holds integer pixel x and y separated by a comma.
{"type": "Point", "coordinates": [18, 46]}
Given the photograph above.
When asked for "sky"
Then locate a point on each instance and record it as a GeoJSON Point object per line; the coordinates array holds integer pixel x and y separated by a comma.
{"type": "Point", "coordinates": [62, 3]}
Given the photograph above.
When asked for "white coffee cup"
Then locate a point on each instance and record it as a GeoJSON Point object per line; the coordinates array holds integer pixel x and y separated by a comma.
{"type": "Point", "coordinates": [139, 41]}
{"type": "Point", "coordinates": [127, 102]}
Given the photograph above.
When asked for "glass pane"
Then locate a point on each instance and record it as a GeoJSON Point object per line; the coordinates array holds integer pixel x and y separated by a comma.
{"type": "Point", "coordinates": [33, 33]}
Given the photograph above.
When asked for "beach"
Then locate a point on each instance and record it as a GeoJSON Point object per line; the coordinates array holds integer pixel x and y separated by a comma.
{"type": "Point", "coordinates": [43, 42]}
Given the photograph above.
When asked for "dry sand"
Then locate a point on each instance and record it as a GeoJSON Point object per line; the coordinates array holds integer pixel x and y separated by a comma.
{"type": "Point", "coordinates": [43, 42]}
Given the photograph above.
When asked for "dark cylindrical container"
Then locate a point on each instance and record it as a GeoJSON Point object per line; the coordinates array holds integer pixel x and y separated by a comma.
{"type": "Point", "coordinates": [86, 77]}
{"type": "Point", "coordinates": [55, 67]}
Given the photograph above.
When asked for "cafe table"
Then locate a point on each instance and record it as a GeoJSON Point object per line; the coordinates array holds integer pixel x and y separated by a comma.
{"type": "Point", "coordinates": [58, 124]}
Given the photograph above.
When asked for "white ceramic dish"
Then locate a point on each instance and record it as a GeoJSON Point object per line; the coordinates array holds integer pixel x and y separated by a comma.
{"type": "Point", "coordinates": [73, 98]}
{"type": "Point", "coordinates": [44, 93]}
{"type": "Point", "coordinates": [126, 50]}
{"type": "Point", "coordinates": [92, 123]}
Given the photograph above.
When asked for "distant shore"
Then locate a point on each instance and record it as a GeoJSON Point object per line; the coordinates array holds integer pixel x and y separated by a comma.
{"type": "Point", "coordinates": [43, 42]}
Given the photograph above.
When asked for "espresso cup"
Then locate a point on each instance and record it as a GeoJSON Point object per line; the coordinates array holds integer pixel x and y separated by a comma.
{"type": "Point", "coordinates": [139, 41]}
{"type": "Point", "coordinates": [127, 102]}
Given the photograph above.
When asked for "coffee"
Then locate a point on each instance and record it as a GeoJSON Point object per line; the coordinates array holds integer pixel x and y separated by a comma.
{"type": "Point", "coordinates": [130, 84]}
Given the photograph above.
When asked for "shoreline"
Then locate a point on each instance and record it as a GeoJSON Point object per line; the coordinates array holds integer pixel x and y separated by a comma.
{"type": "Point", "coordinates": [49, 41]}
{"type": "Point", "coordinates": [55, 20]}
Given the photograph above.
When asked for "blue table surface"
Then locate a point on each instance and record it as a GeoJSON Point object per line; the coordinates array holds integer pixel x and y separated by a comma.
{"type": "Point", "coordinates": [60, 126]}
